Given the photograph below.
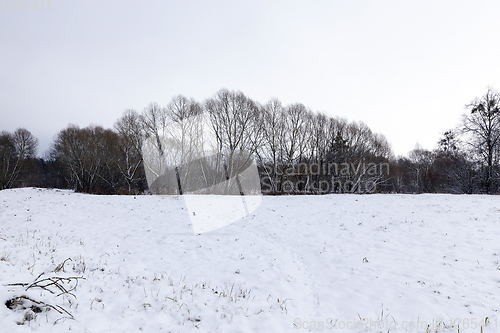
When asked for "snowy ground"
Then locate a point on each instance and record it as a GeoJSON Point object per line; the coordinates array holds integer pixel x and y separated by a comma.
{"type": "Point", "coordinates": [340, 263]}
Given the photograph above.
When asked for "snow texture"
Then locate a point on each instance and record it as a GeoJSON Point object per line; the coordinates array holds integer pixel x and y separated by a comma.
{"type": "Point", "coordinates": [333, 263]}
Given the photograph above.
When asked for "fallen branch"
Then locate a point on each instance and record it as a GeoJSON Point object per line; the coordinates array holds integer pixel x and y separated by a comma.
{"type": "Point", "coordinates": [61, 266]}
{"type": "Point", "coordinates": [57, 282]}
{"type": "Point", "coordinates": [54, 285]}
{"type": "Point", "coordinates": [14, 302]}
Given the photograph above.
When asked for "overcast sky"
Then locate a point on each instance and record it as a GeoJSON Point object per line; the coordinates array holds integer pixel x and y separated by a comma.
{"type": "Point", "coordinates": [405, 68]}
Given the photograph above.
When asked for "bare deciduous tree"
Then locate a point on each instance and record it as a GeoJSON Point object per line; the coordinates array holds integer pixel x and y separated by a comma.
{"type": "Point", "coordinates": [90, 157]}
{"type": "Point", "coordinates": [15, 150]}
{"type": "Point", "coordinates": [483, 126]}
{"type": "Point", "coordinates": [237, 126]}
{"type": "Point", "coordinates": [131, 137]}
{"type": "Point", "coordinates": [154, 119]}
{"type": "Point", "coordinates": [270, 151]}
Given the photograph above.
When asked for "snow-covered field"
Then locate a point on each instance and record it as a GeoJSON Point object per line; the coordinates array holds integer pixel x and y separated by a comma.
{"type": "Point", "coordinates": [340, 263]}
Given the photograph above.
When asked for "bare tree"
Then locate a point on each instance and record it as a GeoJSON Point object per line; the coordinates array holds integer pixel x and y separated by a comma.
{"type": "Point", "coordinates": [232, 115]}
{"type": "Point", "coordinates": [7, 160]}
{"type": "Point", "coordinates": [154, 119]}
{"type": "Point", "coordinates": [422, 170]}
{"type": "Point", "coordinates": [174, 144]}
{"type": "Point", "coordinates": [15, 150]}
{"type": "Point", "coordinates": [68, 149]}
{"type": "Point", "coordinates": [90, 156]}
{"type": "Point", "coordinates": [483, 125]}
{"type": "Point", "coordinates": [270, 151]}
{"type": "Point", "coordinates": [236, 123]}
{"type": "Point", "coordinates": [131, 137]}
{"type": "Point", "coordinates": [181, 108]}
{"type": "Point", "coordinates": [456, 172]}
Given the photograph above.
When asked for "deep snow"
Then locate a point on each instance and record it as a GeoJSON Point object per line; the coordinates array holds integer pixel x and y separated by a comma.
{"type": "Point", "coordinates": [350, 263]}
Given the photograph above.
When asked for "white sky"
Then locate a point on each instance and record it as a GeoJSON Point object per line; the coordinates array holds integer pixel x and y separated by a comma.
{"type": "Point", "coordinates": [404, 68]}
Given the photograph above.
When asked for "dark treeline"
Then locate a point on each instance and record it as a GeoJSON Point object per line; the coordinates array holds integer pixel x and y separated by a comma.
{"type": "Point", "coordinates": [467, 158]}
{"type": "Point", "coordinates": [297, 151]}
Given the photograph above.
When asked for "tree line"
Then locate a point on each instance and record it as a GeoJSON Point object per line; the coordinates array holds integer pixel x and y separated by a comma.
{"type": "Point", "coordinates": [467, 157]}
{"type": "Point", "coordinates": [297, 151]}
